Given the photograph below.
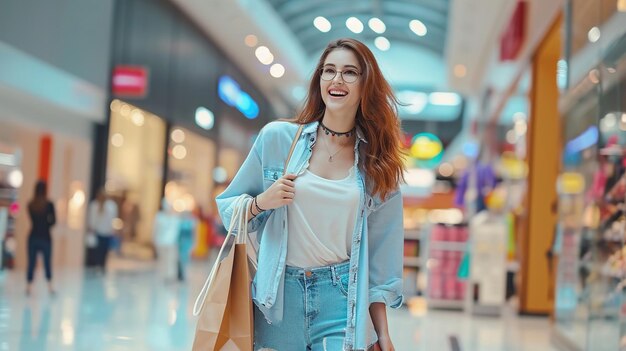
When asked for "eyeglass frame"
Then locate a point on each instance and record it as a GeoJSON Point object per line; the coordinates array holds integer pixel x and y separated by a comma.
{"type": "Point", "coordinates": [358, 74]}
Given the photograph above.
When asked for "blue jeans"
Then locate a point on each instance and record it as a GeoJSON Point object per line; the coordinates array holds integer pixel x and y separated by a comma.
{"type": "Point", "coordinates": [36, 245]}
{"type": "Point", "coordinates": [315, 311]}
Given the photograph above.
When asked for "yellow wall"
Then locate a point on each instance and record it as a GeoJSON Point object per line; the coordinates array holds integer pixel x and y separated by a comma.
{"type": "Point", "coordinates": [544, 159]}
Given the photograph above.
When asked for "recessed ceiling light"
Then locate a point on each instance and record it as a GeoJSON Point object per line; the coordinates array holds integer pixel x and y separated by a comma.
{"type": "Point", "coordinates": [205, 118]}
{"type": "Point", "coordinates": [377, 25]}
{"type": "Point", "coordinates": [178, 136]}
{"type": "Point", "coordinates": [382, 43]}
{"type": "Point", "coordinates": [444, 99]}
{"type": "Point", "coordinates": [460, 70]}
{"type": "Point", "coordinates": [354, 25]}
{"type": "Point", "coordinates": [277, 70]}
{"type": "Point", "coordinates": [418, 27]}
{"type": "Point", "coordinates": [251, 40]}
{"type": "Point", "coordinates": [322, 24]}
{"type": "Point", "coordinates": [264, 55]}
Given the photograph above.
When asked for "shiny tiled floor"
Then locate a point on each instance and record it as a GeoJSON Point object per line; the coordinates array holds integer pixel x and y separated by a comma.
{"type": "Point", "coordinates": [131, 309]}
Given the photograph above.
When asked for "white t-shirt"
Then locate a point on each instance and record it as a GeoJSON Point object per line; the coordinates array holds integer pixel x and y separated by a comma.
{"type": "Point", "coordinates": [102, 221]}
{"type": "Point", "coordinates": [321, 220]}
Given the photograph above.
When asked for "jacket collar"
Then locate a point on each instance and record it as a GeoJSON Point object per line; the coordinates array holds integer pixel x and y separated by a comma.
{"type": "Point", "coordinates": [311, 128]}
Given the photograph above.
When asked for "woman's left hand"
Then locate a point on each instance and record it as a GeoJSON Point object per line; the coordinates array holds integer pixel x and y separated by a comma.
{"type": "Point", "coordinates": [384, 343]}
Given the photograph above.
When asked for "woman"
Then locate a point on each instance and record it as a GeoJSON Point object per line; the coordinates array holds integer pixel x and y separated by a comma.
{"type": "Point", "coordinates": [42, 216]}
{"type": "Point", "coordinates": [102, 213]}
{"type": "Point", "coordinates": [166, 231]}
{"type": "Point", "coordinates": [330, 229]}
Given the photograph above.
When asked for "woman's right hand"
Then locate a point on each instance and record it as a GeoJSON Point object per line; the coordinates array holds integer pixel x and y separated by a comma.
{"type": "Point", "coordinates": [279, 194]}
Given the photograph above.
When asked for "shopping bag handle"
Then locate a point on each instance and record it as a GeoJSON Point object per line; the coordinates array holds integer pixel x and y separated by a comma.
{"type": "Point", "coordinates": [240, 213]}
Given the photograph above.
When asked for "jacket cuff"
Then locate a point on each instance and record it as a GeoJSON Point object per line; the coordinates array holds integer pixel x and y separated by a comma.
{"type": "Point", "coordinates": [389, 294]}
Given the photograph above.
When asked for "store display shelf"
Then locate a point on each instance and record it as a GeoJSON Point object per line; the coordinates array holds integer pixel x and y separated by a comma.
{"type": "Point", "coordinates": [448, 245]}
{"type": "Point", "coordinates": [445, 304]}
{"type": "Point", "coordinates": [412, 235]}
{"type": "Point", "coordinates": [412, 262]}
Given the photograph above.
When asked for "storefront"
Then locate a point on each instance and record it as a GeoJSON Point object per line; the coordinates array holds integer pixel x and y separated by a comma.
{"type": "Point", "coordinates": [590, 309]}
{"type": "Point", "coordinates": [182, 119]}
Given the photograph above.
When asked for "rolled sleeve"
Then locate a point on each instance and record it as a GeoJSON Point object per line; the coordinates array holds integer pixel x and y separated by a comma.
{"type": "Point", "coordinates": [390, 294]}
{"type": "Point", "coordinates": [386, 245]}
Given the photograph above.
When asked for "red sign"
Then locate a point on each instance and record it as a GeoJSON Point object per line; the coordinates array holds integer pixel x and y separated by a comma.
{"type": "Point", "coordinates": [514, 34]}
{"type": "Point", "coordinates": [130, 81]}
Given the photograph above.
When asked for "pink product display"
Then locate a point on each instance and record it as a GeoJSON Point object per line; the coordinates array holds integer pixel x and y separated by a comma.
{"type": "Point", "coordinates": [442, 232]}
{"type": "Point", "coordinates": [446, 287]}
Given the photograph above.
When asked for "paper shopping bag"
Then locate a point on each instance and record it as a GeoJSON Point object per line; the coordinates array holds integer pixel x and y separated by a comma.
{"type": "Point", "coordinates": [226, 316]}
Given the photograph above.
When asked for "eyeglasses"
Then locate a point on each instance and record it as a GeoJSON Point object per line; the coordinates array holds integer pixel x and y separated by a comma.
{"type": "Point", "coordinates": [347, 75]}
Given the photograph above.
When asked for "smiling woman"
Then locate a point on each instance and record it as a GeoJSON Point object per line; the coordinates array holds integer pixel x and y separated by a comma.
{"type": "Point", "coordinates": [340, 199]}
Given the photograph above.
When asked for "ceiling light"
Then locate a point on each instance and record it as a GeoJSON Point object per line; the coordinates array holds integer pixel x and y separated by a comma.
{"type": "Point", "coordinates": [137, 117]}
{"type": "Point", "coordinates": [416, 101]}
{"type": "Point", "coordinates": [322, 24]}
{"type": "Point", "coordinates": [444, 99]}
{"type": "Point", "coordinates": [277, 70]}
{"type": "Point", "coordinates": [594, 34]}
{"type": "Point", "coordinates": [264, 55]}
{"type": "Point", "coordinates": [125, 110]}
{"type": "Point", "coordinates": [621, 5]}
{"type": "Point", "coordinates": [117, 140]}
{"type": "Point", "coordinates": [382, 43]}
{"type": "Point", "coordinates": [115, 105]}
{"type": "Point", "coordinates": [377, 25]}
{"type": "Point", "coordinates": [15, 178]}
{"type": "Point", "coordinates": [460, 71]}
{"type": "Point", "coordinates": [178, 136]}
{"type": "Point", "coordinates": [418, 27]}
{"type": "Point", "coordinates": [251, 40]}
{"type": "Point", "coordinates": [205, 118]}
{"type": "Point", "coordinates": [179, 152]}
{"type": "Point", "coordinates": [354, 25]}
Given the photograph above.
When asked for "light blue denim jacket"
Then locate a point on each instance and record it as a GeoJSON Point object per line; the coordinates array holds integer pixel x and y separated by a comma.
{"type": "Point", "coordinates": [377, 241]}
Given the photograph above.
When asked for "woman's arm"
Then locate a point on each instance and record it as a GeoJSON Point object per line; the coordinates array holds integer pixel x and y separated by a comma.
{"type": "Point", "coordinates": [378, 312]}
{"type": "Point", "coordinates": [52, 218]}
{"type": "Point", "coordinates": [386, 245]}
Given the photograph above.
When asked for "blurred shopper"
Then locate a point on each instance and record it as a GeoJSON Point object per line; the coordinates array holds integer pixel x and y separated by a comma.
{"type": "Point", "coordinates": [130, 215]}
{"type": "Point", "coordinates": [102, 212]}
{"type": "Point", "coordinates": [188, 224]}
{"type": "Point", "coordinates": [42, 216]}
{"type": "Point", "coordinates": [340, 186]}
{"type": "Point", "coordinates": [166, 230]}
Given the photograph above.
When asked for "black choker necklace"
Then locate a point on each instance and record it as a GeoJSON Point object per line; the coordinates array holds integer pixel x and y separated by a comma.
{"type": "Point", "coordinates": [330, 131]}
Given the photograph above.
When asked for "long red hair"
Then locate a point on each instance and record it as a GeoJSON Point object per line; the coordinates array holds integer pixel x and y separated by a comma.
{"type": "Point", "coordinates": [376, 116]}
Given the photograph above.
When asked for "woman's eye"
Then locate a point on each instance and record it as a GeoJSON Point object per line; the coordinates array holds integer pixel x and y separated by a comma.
{"type": "Point", "coordinates": [351, 73]}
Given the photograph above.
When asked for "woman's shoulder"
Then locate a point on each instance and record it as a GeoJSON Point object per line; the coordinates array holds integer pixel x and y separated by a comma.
{"type": "Point", "coordinates": [280, 126]}
{"type": "Point", "coordinates": [278, 132]}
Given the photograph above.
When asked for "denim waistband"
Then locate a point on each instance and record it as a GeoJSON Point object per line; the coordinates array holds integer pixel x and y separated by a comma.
{"type": "Point", "coordinates": [318, 272]}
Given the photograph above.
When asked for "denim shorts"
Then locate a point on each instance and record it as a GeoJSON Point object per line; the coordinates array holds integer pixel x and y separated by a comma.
{"type": "Point", "coordinates": [315, 312]}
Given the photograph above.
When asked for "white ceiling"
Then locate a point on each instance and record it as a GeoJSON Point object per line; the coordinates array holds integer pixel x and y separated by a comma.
{"type": "Point", "coordinates": [228, 22]}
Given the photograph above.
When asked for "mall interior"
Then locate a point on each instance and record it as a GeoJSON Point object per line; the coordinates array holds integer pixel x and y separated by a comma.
{"type": "Point", "coordinates": [513, 115]}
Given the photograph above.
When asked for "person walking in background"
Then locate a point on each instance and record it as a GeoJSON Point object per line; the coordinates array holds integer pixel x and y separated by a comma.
{"type": "Point", "coordinates": [42, 216]}
{"type": "Point", "coordinates": [188, 224]}
{"type": "Point", "coordinates": [166, 230]}
{"type": "Point", "coordinates": [102, 212]}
